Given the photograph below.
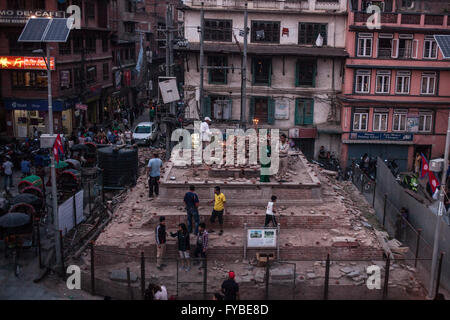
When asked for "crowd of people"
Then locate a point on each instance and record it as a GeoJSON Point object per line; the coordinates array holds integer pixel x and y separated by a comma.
{"type": "Point", "coordinates": [191, 201]}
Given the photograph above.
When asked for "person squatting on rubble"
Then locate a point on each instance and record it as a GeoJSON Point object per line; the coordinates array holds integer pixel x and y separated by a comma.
{"type": "Point", "coordinates": [184, 245]}
{"type": "Point", "coordinates": [160, 237]}
{"type": "Point", "coordinates": [284, 149]}
{"type": "Point", "coordinates": [192, 203]}
{"type": "Point", "coordinates": [154, 171]}
{"type": "Point", "coordinates": [219, 209]}
{"type": "Point", "coordinates": [202, 244]}
{"type": "Point", "coordinates": [155, 292]}
{"type": "Point", "coordinates": [270, 212]}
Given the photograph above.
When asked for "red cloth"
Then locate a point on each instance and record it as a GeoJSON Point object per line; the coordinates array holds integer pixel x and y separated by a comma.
{"type": "Point", "coordinates": [57, 146]}
{"type": "Point", "coordinates": [432, 179]}
{"type": "Point", "coordinates": [425, 167]}
{"type": "Point", "coordinates": [434, 182]}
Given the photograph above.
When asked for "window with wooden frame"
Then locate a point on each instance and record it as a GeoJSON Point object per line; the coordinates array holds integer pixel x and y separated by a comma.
{"type": "Point", "coordinates": [29, 79]}
{"type": "Point", "coordinates": [305, 73]}
{"type": "Point", "coordinates": [425, 121]}
{"type": "Point", "coordinates": [308, 33]}
{"type": "Point", "coordinates": [403, 82]}
{"type": "Point", "coordinates": [386, 46]}
{"type": "Point", "coordinates": [77, 44]}
{"type": "Point", "coordinates": [380, 119]}
{"type": "Point", "coordinates": [91, 74]}
{"type": "Point", "coordinates": [362, 81]}
{"type": "Point", "coordinates": [217, 76]}
{"type": "Point", "coordinates": [365, 41]}
{"type": "Point", "coordinates": [429, 48]}
{"type": "Point", "coordinates": [65, 79]}
{"type": "Point", "coordinates": [90, 10]}
{"type": "Point", "coordinates": [218, 30]}
{"type": "Point", "coordinates": [106, 71]}
{"type": "Point", "coordinates": [262, 71]}
{"type": "Point", "coordinates": [428, 85]}
{"type": "Point", "coordinates": [304, 111]}
{"type": "Point", "coordinates": [77, 76]}
{"type": "Point", "coordinates": [383, 83]}
{"type": "Point", "coordinates": [399, 120]}
{"type": "Point", "coordinates": [65, 48]}
{"type": "Point", "coordinates": [91, 44]}
{"type": "Point", "coordinates": [105, 44]}
{"type": "Point", "coordinates": [360, 119]}
{"type": "Point", "coordinates": [405, 46]}
{"type": "Point", "coordinates": [265, 31]}
{"type": "Point", "coordinates": [129, 27]}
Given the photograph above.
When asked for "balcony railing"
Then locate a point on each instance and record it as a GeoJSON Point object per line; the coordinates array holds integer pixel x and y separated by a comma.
{"type": "Point", "coordinates": [405, 18]}
{"type": "Point", "coordinates": [207, 3]}
{"type": "Point", "coordinates": [434, 20]}
{"type": "Point", "coordinates": [410, 18]}
{"type": "Point", "coordinates": [384, 53]}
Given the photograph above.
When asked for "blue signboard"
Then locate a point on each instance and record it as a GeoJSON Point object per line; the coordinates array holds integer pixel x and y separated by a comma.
{"type": "Point", "coordinates": [34, 104]}
{"type": "Point", "coordinates": [392, 136]}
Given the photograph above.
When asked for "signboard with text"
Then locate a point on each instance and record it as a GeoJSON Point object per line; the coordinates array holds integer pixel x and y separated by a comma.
{"type": "Point", "coordinates": [25, 63]}
{"type": "Point", "coordinates": [282, 109]}
{"type": "Point", "coordinates": [392, 136]}
{"type": "Point", "coordinates": [21, 16]}
{"type": "Point", "coordinates": [262, 238]}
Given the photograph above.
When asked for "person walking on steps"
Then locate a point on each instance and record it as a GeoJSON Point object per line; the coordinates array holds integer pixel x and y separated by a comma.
{"type": "Point", "coordinates": [154, 173]}
{"type": "Point", "coordinates": [219, 209]}
{"type": "Point", "coordinates": [270, 212]}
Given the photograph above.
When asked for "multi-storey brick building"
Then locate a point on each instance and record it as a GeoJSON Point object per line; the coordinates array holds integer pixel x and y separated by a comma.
{"type": "Point", "coordinates": [396, 95]}
{"type": "Point", "coordinates": [82, 72]}
{"type": "Point", "coordinates": [291, 81]}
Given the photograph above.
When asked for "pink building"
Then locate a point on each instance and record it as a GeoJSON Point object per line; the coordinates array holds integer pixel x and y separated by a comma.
{"type": "Point", "coordinates": [396, 92]}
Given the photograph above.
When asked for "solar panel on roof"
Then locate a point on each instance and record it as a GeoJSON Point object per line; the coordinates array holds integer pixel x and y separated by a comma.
{"type": "Point", "coordinates": [46, 30]}
{"type": "Point", "coordinates": [57, 31]}
{"type": "Point", "coordinates": [443, 42]}
{"type": "Point", "coordinates": [34, 30]}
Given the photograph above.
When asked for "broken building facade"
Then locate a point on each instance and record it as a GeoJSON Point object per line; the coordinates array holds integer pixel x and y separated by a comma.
{"type": "Point", "coordinates": [291, 81]}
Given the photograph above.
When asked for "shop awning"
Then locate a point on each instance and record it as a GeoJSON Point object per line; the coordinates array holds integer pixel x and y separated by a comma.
{"type": "Point", "coordinates": [34, 104]}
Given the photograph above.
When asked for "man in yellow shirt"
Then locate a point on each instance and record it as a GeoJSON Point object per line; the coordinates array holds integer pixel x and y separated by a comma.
{"type": "Point", "coordinates": [219, 208]}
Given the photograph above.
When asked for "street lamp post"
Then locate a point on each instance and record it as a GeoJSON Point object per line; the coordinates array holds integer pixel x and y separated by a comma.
{"type": "Point", "coordinates": [439, 215]}
{"type": "Point", "coordinates": [52, 157]}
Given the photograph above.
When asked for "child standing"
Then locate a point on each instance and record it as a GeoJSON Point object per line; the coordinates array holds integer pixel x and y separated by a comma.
{"type": "Point", "coordinates": [270, 212]}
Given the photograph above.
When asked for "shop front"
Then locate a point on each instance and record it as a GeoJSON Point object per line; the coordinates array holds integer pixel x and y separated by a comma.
{"type": "Point", "coordinates": [304, 139]}
{"type": "Point", "coordinates": [26, 115]}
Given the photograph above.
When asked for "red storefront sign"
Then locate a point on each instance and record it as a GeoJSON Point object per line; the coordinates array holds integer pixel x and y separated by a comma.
{"type": "Point", "coordinates": [25, 63]}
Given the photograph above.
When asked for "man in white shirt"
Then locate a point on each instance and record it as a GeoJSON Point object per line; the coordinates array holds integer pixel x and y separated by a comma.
{"type": "Point", "coordinates": [7, 167]}
{"type": "Point", "coordinates": [161, 293]}
{"type": "Point", "coordinates": [205, 133]}
{"type": "Point", "coordinates": [270, 212]}
{"type": "Point", "coordinates": [283, 154]}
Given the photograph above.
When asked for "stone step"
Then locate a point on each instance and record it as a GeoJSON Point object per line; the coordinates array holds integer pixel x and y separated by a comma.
{"type": "Point", "coordinates": [236, 217]}
{"type": "Point", "coordinates": [293, 245]}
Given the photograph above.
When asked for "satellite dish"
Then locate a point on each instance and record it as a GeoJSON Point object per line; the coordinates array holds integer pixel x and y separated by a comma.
{"type": "Point", "coordinates": [319, 40]}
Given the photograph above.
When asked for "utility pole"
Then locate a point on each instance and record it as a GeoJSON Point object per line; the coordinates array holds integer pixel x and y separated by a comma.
{"type": "Point", "coordinates": [244, 72]}
{"type": "Point", "coordinates": [440, 214]}
{"type": "Point", "coordinates": [202, 36]}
